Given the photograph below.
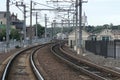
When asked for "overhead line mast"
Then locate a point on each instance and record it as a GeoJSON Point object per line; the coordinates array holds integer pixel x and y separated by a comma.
{"type": "Point", "coordinates": [80, 27]}
{"type": "Point", "coordinates": [59, 9]}
{"type": "Point", "coordinates": [8, 23]}
{"type": "Point", "coordinates": [30, 22]}
{"type": "Point", "coordinates": [36, 25]}
{"type": "Point", "coordinates": [45, 25]}
{"type": "Point", "coordinates": [24, 12]}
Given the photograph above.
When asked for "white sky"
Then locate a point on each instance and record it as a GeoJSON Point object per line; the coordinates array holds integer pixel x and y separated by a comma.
{"type": "Point", "coordinates": [99, 12]}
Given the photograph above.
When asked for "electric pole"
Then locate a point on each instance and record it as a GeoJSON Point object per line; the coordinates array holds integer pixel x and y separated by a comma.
{"type": "Point", "coordinates": [36, 25]}
{"type": "Point", "coordinates": [52, 29]}
{"type": "Point", "coordinates": [30, 22]}
{"type": "Point", "coordinates": [8, 23]}
{"type": "Point", "coordinates": [54, 25]}
{"type": "Point", "coordinates": [61, 26]}
{"type": "Point", "coordinates": [74, 28]}
{"type": "Point", "coordinates": [24, 12]}
{"type": "Point", "coordinates": [76, 6]}
{"type": "Point", "coordinates": [24, 28]}
{"type": "Point", "coordinates": [80, 27]}
{"type": "Point", "coordinates": [45, 25]}
{"type": "Point", "coordinates": [68, 19]}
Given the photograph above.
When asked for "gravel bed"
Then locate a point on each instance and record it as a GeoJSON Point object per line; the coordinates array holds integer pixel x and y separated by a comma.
{"type": "Point", "coordinates": [100, 60]}
{"type": "Point", "coordinates": [109, 62]}
{"type": "Point", "coordinates": [3, 57]}
{"type": "Point", "coordinates": [56, 69]}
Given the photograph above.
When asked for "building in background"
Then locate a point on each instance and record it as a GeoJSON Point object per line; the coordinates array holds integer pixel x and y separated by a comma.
{"type": "Point", "coordinates": [61, 36]}
{"type": "Point", "coordinates": [3, 18]}
{"type": "Point", "coordinates": [71, 37]}
{"type": "Point", "coordinates": [28, 32]}
{"type": "Point", "coordinates": [14, 21]}
{"type": "Point", "coordinates": [109, 35]}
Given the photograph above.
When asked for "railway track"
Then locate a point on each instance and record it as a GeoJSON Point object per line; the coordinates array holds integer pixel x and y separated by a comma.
{"type": "Point", "coordinates": [94, 71]}
{"type": "Point", "coordinates": [53, 68]}
{"type": "Point", "coordinates": [22, 67]}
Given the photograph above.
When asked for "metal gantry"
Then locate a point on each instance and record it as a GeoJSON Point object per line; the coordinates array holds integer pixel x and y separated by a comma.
{"type": "Point", "coordinates": [8, 21]}
{"type": "Point", "coordinates": [60, 9]}
{"type": "Point", "coordinates": [21, 4]}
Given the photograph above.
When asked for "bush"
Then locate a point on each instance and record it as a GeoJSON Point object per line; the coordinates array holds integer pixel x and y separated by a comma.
{"type": "Point", "coordinates": [17, 46]}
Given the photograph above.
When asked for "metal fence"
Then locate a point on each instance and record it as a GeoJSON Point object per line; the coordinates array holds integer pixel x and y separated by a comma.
{"type": "Point", "coordinates": [104, 48]}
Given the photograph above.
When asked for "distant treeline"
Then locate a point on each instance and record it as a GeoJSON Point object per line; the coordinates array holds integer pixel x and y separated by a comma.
{"type": "Point", "coordinates": [97, 29]}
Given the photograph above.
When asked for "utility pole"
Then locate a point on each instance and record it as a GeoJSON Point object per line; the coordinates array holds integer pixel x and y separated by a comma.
{"type": "Point", "coordinates": [76, 42]}
{"type": "Point", "coordinates": [8, 23]}
{"type": "Point", "coordinates": [73, 21]}
{"type": "Point", "coordinates": [61, 26]}
{"type": "Point", "coordinates": [24, 28]}
{"type": "Point", "coordinates": [36, 25]}
{"type": "Point", "coordinates": [52, 29]}
{"type": "Point", "coordinates": [24, 12]}
{"type": "Point", "coordinates": [45, 25]}
{"type": "Point", "coordinates": [54, 25]}
{"type": "Point", "coordinates": [80, 27]}
{"type": "Point", "coordinates": [68, 19]}
{"type": "Point", "coordinates": [30, 22]}
{"type": "Point", "coordinates": [74, 29]}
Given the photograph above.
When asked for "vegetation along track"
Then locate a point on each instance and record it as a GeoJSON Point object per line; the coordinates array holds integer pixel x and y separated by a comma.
{"type": "Point", "coordinates": [94, 71]}
{"type": "Point", "coordinates": [21, 66]}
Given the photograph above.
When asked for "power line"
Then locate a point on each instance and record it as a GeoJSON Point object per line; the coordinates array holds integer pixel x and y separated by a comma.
{"type": "Point", "coordinates": [43, 4]}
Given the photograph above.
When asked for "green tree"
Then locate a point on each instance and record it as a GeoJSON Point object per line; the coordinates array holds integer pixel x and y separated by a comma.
{"type": "Point", "coordinates": [40, 30]}
{"type": "Point", "coordinates": [2, 34]}
{"type": "Point", "coordinates": [89, 28]}
{"type": "Point", "coordinates": [14, 34]}
{"type": "Point", "coordinates": [106, 26]}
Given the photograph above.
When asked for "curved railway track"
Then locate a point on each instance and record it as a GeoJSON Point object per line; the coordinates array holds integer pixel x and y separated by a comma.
{"type": "Point", "coordinates": [53, 68]}
{"type": "Point", "coordinates": [22, 67]}
{"type": "Point", "coordinates": [94, 71]}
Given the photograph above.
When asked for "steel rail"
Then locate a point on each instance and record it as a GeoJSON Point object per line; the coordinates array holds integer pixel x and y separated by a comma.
{"type": "Point", "coordinates": [6, 70]}
{"type": "Point", "coordinates": [35, 70]}
{"type": "Point", "coordinates": [92, 75]}
{"type": "Point", "coordinates": [8, 65]}
{"type": "Point", "coordinates": [107, 70]}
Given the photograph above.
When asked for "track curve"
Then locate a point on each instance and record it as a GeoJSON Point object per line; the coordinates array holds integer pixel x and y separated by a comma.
{"type": "Point", "coordinates": [84, 66]}
{"type": "Point", "coordinates": [19, 66]}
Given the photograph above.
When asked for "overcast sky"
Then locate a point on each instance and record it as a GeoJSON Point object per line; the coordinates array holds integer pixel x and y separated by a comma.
{"type": "Point", "coordinates": [99, 12]}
